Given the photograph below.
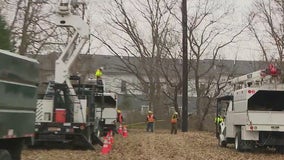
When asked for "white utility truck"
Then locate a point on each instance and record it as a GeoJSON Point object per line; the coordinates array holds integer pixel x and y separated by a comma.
{"type": "Point", "coordinates": [72, 112]}
{"type": "Point", "coordinates": [253, 114]}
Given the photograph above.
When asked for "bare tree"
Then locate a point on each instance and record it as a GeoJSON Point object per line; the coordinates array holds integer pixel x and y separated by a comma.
{"type": "Point", "coordinates": [31, 26]}
{"type": "Point", "coordinates": [267, 26]}
{"type": "Point", "coordinates": [207, 37]}
{"type": "Point", "coordinates": [143, 37]}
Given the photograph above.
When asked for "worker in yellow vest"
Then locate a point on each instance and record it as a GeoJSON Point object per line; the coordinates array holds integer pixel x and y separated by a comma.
{"type": "Point", "coordinates": [174, 120]}
{"type": "Point", "coordinates": [98, 74]}
{"type": "Point", "coordinates": [150, 119]}
{"type": "Point", "coordinates": [219, 119]}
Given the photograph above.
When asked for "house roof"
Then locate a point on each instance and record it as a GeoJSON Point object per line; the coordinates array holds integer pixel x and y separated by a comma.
{"type": "Point", "coordinates": [87, 64]}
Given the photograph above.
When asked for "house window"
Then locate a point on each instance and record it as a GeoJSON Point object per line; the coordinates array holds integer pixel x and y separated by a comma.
{"type": "Point", "coordinates": [172, 110]}
{"type": "Point", "coordinates": [144, 109]}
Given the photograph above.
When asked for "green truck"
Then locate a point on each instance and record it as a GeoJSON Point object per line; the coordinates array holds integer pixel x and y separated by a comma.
{"type": "Point", "coordinates": [19, 77]}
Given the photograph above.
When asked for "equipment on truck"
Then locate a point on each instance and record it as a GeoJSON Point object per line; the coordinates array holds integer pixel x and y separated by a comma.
{"type": "Point", "coordinates": [71, 111]}
{"type": "Point", "coordinates": [253, 113]}
{"type": "Point", "coordinates": [19, 78]}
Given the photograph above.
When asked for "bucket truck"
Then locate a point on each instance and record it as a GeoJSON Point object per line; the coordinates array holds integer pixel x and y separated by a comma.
{"type": "Point", "coordinates": [72, 112]}
{"type": "Point", "coordinates": [253, 113]}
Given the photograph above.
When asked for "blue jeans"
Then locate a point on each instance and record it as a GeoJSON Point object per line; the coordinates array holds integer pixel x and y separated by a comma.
{"type": "Point", "coordinates": [150, 127]}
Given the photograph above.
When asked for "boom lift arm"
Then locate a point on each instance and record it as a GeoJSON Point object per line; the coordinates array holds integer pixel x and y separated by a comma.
{"type": "Point", "coordinates": [257, 77]}
{"type": "Point", "coordinates": [64, 18]}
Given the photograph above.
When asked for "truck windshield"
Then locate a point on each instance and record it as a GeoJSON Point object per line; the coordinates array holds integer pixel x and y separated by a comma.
{"type": "Point", "coordinates": [267, 101]}
{"type": "Point", "coordinates": [108, 101]}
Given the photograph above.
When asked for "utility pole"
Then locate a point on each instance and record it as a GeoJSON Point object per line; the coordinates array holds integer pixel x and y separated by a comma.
{"type": "Point", "coordinates": [184, 68]}
{"type": "Point", "coordinates": [282, 40]}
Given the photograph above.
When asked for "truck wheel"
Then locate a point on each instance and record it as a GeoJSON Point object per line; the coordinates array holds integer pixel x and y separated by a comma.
{"type": "Point", "coordinates": [16, 149]}
{"type": "Point", "coordinates": [238, 142]}
{"type": "Point", "coordinates": [5, 155]}
{"type": "Point", "coordinates": [280, 149]}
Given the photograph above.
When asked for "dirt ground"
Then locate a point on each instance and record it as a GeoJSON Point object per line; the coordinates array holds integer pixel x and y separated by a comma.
{"type": "Point", "coordinates": [160, 145]}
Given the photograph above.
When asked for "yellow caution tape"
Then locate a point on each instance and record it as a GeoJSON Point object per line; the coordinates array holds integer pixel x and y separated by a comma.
{"type": "Point", "coordinates": [133, 124]}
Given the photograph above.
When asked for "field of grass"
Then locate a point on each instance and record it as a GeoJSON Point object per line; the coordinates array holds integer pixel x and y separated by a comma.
{"type": "Point", "coordinates": [160, 145]}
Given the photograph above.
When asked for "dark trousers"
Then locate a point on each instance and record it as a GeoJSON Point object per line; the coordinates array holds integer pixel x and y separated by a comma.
{"type": "Point", "coordinates": [174, 128]}
{"type": "Point", "coordinates": [150, 127]}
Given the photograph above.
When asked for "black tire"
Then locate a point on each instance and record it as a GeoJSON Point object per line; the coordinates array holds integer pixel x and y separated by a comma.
{"type": "Point", "coordinates": [5, 155]}
{"type": "Point", "coordinates": [280, 149]}
{"type": "Point", "coordinates": [239, 146]}
{"type": "Point", "coordinates": [14, 147]}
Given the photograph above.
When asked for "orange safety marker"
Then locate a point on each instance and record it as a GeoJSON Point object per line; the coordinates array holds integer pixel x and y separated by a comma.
{"type": "Point", "coordinates": [125, 133]}
{"type": "Point", "coordinates": [105, 148]}
{"type": "Point", "coordinates": [109, 142]}
{"type": "Point", "coordinates": [120, 129]}
{"type": "Point", "coordinates": [111, 137]}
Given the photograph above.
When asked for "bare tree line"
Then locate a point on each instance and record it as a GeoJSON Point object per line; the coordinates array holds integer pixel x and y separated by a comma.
{"type": "Point", "coordinates": [159, 61]}
{"type": "Point", "coordinates": [267, 26]}
{"type": "Point", "coordinates": [153, 37]}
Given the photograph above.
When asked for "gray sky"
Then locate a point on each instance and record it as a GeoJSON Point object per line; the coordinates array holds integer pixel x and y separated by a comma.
{"type": "Point", "coordinates": [245, 49]}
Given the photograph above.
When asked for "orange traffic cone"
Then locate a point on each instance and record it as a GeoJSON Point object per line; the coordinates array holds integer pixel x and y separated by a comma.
{"type": "Point", "coordinates": [109, 142]}
{"type": "Point", "coordinates": [120, 129]}
{"type": "Point", "coordinates": [125, 133]}
{"type": "Point", "coordinates": [111, 137]}
{"type": "Point", "coordinates": [105, 149]}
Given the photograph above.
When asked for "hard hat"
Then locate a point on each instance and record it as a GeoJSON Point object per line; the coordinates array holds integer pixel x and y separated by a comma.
{"type": "Point", "coordinates": [150, 112]}
{"type": "Point", "coordinates": [176, 113]}
{"type": "Point", "coordinates": [101, 68]}
{"type": "Point", "coordinates": [118, 111]}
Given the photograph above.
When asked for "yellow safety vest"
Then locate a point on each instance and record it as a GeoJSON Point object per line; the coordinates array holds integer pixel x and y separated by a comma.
{"type": "Point", "coordinates": [219, 119]}
{"type": "Point", "coordinates": [99, 73]}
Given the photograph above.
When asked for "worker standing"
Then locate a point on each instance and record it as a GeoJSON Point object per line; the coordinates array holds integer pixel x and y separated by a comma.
{"type": "Point", "coordinates": [174, 120]}
{"type": "Point", "coordinates": [150, 119]}
{"type": "Point", "coordinates": [98, 74]}
{"type": "Point", "coordinates": [119, 118]}
{"type": "Point", "coordinates": [219, 119]}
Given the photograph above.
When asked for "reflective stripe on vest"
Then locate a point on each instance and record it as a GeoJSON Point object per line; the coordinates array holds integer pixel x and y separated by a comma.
{"type": "Point", "coordinates": [174, 119]}
{"type": "Point", "coordinates": [150, 118]}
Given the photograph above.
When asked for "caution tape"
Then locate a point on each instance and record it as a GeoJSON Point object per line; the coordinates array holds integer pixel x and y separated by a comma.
{"type": "Point", "coordinates": [133, 124]}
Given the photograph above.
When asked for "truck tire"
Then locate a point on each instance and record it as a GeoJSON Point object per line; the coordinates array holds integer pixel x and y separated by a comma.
{"type": "Point", "coordinates": [5, 155]}
{"type": "Point", "coordinates": [280, 149]}
{"type": "Point", "coordinates": [239, 146]}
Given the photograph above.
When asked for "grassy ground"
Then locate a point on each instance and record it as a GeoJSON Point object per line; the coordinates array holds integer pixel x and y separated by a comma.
{"type": "Point", "coordinates": [160, 145]}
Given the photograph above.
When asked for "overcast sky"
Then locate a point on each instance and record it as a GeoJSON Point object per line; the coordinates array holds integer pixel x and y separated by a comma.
{"type": "Point", "coordinates": [245, 49]}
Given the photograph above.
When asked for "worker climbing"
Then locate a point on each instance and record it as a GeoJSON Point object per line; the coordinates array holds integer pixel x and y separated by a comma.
{"type": "Point", "coordinates": [150, 119]}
